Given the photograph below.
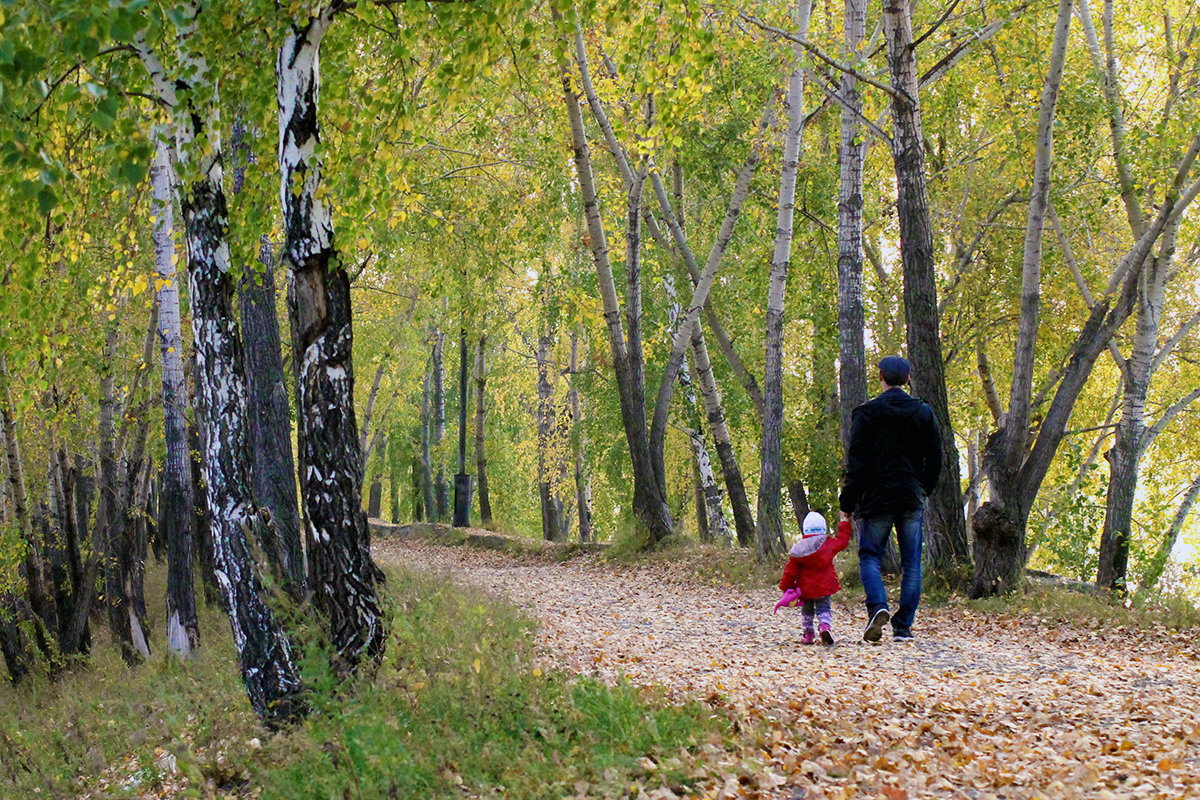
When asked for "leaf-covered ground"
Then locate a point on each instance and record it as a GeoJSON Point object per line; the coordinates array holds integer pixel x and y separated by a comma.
{"type": "Point", "coordinates": [978, 706]}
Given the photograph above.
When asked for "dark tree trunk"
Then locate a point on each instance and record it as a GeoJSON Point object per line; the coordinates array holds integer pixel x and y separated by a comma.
{"type": "Point", "coordinates": [428, 504]}
{"type": "Point", "coordinates": [551, 520]}
{"type": "Point", "coordinates": [485, 500]}
{"type": "Point", "coordinates": [946, 538]}
{"type": "Point", "coordinates": [54, 555]}
{"type": "Point", "coordinates": [270, 423]}
{"type": "Point", "coordinates": [649, 503]}
{"type": "Point", "coordinates": [394, 476]}
{"type": "Point", "coordinates": [77, 489]}
{"type": "Point", "coordinates": [17, 658]}
{"type": "Point", "coordinates": [273, 465]}
{"type": "Point", "coordinates": [125, 532]}
{"type": "Point", "coordinates": [418, 494]}
{"type": "Point", "coordinates": [735, 487]}
{"type": "Point", "coordinates": [342, 575]}
{"type": "Point", "coordinates": [852, 378]}
{"type": "Point", "coordinates": [439, 425]}
{"type": "Point", "coordinates": [375, 495]}
{"type": "Point", "coordinates": [268, 671]}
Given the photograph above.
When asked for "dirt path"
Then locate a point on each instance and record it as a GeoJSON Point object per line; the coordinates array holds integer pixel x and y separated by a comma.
{"type": "Point", "coordinates": [976, 707]}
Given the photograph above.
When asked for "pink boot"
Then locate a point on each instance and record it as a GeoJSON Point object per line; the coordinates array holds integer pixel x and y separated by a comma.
{"type": "Point", "coordinates": [826, 634]}
{"type": "Point", "coordinates": [809, 636]}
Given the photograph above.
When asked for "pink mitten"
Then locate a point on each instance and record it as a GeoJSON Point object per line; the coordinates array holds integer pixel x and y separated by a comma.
{"type": "Point", "coordinates": [789, 597]}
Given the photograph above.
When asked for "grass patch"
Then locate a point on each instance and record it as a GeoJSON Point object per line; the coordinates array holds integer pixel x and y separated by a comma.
{"type": "Point", "coordinates": [458, 703]}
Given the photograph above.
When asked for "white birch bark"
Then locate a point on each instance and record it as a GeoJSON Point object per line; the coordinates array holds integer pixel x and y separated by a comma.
{"type": "Point", "coordinates": [852, 376]}
{"type": "Point", "coordinates": [269, 673]}
{"type": "Point", "coordinates": [176, 517]}
{"type": "Point", "coordinates": [341, 573]}
{"type": "Point", "coordinates": [770, 525]}
{"type": "Point", "coordinates": [1031, 264]}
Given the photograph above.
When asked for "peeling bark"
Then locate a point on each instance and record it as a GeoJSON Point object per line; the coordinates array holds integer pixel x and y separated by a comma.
{"type": "Point", "coordinates": [342, 575]}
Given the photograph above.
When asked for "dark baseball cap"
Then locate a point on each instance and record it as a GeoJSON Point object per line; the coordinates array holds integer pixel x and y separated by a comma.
{"type": "Point", "coordinates": [894, 370]}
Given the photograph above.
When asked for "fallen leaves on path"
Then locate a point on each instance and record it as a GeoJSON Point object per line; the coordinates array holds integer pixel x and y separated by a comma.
{"type": "Point", "coordinates": [978, 706]}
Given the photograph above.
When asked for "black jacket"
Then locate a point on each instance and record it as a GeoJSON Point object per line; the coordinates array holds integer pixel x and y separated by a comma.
{"type": "Point", "coordinates": [895, 455]}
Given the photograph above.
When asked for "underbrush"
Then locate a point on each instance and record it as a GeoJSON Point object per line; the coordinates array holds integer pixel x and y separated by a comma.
{"type": "Point", "coordinates": [457, 704]}
{"type": "Point", "coordinates": [1064, 605]}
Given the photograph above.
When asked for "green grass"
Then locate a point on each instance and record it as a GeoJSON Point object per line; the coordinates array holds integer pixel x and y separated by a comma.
{"type": "Point", "coordinates": [457, 702]}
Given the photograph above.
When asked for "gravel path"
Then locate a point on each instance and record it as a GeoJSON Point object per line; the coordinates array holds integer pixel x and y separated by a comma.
{"type": "Point", "coordinates": [978, 706]}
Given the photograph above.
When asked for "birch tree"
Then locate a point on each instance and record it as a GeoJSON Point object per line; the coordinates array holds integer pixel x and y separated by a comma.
{"type": "Point", "coordinates": [342, 575]}
{"type": "Point", "coordinates": [269, 672]}
{"type": "Point", "coordinates": [770, 527]}
{"type": "Point", "coordinates": [176, 518]}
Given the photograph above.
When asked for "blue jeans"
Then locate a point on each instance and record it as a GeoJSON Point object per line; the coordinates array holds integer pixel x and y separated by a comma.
{"type": "Point", "coordinates": [873, 533]}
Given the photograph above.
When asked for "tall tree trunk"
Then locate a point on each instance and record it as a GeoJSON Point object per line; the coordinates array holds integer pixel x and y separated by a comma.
{"type": "Point", "coordinates": [126, 607]}
{"type": "Point", "coordinates": [418, 494]}
{"type": "Point", "coordinates": [66, 568]}
{"type": "Point", "coordinates": [770, 524]}
{"type": "Point", "coordinates": [710, 516]}
{"type": "Point", "coordinates": [649, 503]}
{"type": "Point", "coordinates": [176, 522]}
{"type": "Point", "coordinates": [269, 673]}
{"type": "Point", "coordinates": [439, 425]}
{"type": "Point", "coordinates": [394, 479]}
{"type": "Point", "coordinates": [735, 488]}
{"type": "Point", "coordinates": [54, 537]}
{"type": "Point", "coordinates": [1129, 445]}
{"type": "Point", "coordinates": [342, 575]}
{"type": "Point", "coordinates": [201, 518]}
{"type": "Point", "coordinates": [270, 423]}
{"type": "Point", "coordinates": [946, 538]}
{"type": "Point", "coordinates": [77, 637]}
{"type": "Point", "coordinates": [428, 504]}
{"type": "Point", "coordinates": [551, 522]}
{"type": "Point", "coordinates": [1000, 523]}
{"type": "Point", "coordinates": [485, 501]}
{"type": "Point", "coordinates": [375, 495]}
{"type": "Point", "coordinates": [273, 465]}
{"type": "Point", "coordinates": [852, 378]}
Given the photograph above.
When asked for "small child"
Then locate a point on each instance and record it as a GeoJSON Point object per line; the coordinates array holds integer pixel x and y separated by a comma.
{"type": "Point", "coordinates": [810, 577]}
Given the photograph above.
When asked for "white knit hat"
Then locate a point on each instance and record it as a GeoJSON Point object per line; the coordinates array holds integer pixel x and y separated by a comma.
{"type": "Point", "coordinates": [813, 534]}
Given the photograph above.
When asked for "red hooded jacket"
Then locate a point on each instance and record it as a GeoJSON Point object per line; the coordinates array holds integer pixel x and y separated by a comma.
{"type": "Point", "coordinates": [814, 574]}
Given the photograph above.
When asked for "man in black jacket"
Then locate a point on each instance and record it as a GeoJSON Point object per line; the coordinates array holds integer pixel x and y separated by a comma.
{"type": "Point", "coordinates": [892, 465]}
